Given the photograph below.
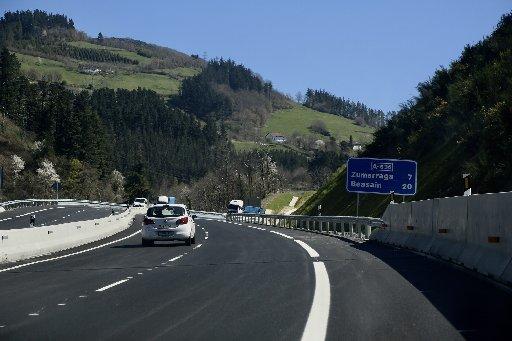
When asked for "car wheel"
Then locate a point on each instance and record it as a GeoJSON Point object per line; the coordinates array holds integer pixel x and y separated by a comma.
{"type": "Point", "coordinates": [188, 242]}
{"type": "Point", "coordinates": [146, 242]}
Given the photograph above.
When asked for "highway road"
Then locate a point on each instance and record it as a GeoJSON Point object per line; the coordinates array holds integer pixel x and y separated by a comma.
{"type": "Point", "coordinates": [51, 215]}
{"type": "Point", "coordinates": [247, 283]}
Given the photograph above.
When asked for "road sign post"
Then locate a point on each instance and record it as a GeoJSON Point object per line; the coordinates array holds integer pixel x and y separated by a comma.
{"type": "Point", "coordinates": [381, 176]}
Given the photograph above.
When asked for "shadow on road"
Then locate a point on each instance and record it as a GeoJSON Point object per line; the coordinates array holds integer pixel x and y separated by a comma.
{"type": "Point", "coordinates": [476, 307]}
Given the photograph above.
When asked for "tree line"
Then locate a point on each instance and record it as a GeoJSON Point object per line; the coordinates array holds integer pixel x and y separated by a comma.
{"type": "Point", "coordinates": [324, 101]}
{"type": "Point", "coordinates": [30, 25]}
{"type": "Point", "coordinates": [202, 94]}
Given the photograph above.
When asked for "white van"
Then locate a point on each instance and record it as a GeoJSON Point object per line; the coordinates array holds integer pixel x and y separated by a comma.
{"type": "Point", "coordinates": [236, 206]}
{"type": "Point", "coordinates": [140, 202]}
{"type": "Point", "coordinates": [163, 199]}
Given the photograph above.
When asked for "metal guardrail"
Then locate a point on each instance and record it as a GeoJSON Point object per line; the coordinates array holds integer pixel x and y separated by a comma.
{"type": "Point", "coordinates": [347, 226]}
{"type": "Point", "coordinates": [209, 214]}
{"type": "Point", "coordinates": [10, 205]}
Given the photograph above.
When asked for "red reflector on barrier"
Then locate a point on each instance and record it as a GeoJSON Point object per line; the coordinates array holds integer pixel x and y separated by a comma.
{"type": "Point", "coordinates": [493, 239]}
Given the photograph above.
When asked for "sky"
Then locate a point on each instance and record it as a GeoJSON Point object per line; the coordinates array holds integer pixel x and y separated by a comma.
{"type": "Point", "coordinates": [372, 51]}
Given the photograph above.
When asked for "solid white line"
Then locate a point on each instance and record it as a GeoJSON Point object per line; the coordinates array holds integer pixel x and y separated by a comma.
{"type": "Point", "coordinates": [281, 234]}
{"type": "Point", "coordinates": [175, 258]}
{"type": "Point", "coordinates": [112, 285]}
{"type": "Point", "coordinates": [69, 254]}
{"type": "Point", "coordinates": [309, 249]}
{"type": "Point", "coordinates": [316, 326]}
{"type": "Point", "coordinates": [198, 246]}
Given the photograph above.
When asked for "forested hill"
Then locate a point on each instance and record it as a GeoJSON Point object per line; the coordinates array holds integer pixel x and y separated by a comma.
{"type": "Point", "coordinates": [89, 135]}
{"type": "Point", "coordinates": [460, 122]}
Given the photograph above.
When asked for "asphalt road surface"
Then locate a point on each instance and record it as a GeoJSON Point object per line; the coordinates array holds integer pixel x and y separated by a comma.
{"type": "Point", "coordinates": [247, 283]}
{"type": "Point", "coordinates": [51, 215]}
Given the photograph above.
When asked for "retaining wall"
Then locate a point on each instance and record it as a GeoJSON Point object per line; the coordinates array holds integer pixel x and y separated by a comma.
{"type": "Point", "coordinates": [473, 231]}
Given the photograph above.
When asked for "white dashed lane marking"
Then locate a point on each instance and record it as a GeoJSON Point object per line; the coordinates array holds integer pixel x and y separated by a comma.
{"type": "Point", "coordinates": [106, 287]}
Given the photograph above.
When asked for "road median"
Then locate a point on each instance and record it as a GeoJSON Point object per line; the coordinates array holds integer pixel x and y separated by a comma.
{"type": "Point", "coordinates": [21, 244]}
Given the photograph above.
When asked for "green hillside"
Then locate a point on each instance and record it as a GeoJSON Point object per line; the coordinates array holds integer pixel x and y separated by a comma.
{"type": "Point", "coordinates": [460, 122]}
{"type": "Point", "coordinates": [299, 119]}
{"type": "Point", "coordinates": [68, 72]}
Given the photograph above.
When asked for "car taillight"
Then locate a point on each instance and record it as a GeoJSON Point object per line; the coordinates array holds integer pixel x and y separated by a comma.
{"type": "Point", "coordinates": [148, 221]}
{"type": "Point", "coordinates": [182, 221]}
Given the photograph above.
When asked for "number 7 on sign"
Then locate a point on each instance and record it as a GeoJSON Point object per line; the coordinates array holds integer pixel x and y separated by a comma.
{"type": "Point", "coordinates": [410, 176]}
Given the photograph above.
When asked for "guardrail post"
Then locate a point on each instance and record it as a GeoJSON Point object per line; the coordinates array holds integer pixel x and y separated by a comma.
{"type": "Point", "coordinates": [352, 229]}
{"type": "Point", "coordinates": [368, 231]}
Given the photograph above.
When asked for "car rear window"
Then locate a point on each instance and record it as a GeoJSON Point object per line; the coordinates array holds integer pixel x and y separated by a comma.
{"type": "Point", "coordinates": [140, 200]}
{"type": "Point", "coordinates": [165, 211]}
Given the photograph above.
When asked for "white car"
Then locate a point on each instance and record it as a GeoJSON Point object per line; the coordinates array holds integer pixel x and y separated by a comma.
{"type": "Point", "coordinates": [168, 222]}
{"type": "Point", "coordinates": [140, 202]}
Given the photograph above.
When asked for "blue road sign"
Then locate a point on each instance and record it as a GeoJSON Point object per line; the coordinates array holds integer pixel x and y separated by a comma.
{"type": "Point", "coordinates": [381, 176]}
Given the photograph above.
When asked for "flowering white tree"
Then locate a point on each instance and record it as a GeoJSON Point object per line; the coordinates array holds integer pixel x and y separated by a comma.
{"type": "Point", "coordinates": [47, 172]}
{"type": "Point", "coordinates": [17, 164]}
{"type": "Point", "coordinates": [117, 180]}
{"type": "Point", "coordinates": [38, 145]}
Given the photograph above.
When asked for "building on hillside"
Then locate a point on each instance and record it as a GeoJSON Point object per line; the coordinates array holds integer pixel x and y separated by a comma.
{"type": "Point", "coordinates": [89, 70]}
{"type": "Point", "coordinates": [276, 137]}
{"type": "Point", "coordinates": [319, 144]}
{"type": "Point", "coordinates": [357, 147]}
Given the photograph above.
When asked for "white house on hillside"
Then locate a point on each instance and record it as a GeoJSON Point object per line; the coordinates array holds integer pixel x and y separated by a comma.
{"type": "Point", "coordinates": [276, 137]}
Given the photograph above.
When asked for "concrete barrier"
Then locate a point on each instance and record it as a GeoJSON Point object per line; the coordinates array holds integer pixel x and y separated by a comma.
{"type": "Point", "coordinates": [420, 227]}
{"type": "Point", "coordinates": [449, 229]}
{"type": "Point", "coordinates": [473, 231]}
{"type": "Point", "coordinates": [488, 243]}
{"type": "Point", "coordinates": [19, 244]}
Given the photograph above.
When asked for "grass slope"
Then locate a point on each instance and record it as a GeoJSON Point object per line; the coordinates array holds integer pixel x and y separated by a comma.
{"type": "Point", "coordinates": [277, 201]}
{"type": "Point", "coordinates": [299, 118]}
